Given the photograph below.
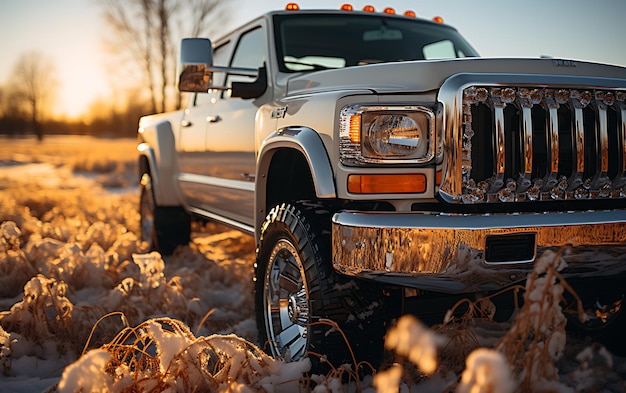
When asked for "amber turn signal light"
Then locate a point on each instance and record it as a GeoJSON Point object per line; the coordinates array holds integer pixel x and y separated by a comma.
{"type": "Point", "coordinates": [408, 183]}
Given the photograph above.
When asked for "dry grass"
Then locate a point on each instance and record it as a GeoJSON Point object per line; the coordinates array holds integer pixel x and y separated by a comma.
{"type": "Point", "coordinates": [163, 355]}
{"type": "Point", "coordinates": [74, 278]}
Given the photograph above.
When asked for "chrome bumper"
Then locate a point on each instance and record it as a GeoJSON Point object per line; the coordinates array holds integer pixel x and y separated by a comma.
{"type": "Point", "coordinates": [465, 253]}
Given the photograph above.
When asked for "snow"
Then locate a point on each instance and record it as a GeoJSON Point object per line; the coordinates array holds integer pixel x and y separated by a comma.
{"type": "Point", "coordinates": [88, 374]}
{"type": "Point", "coordinates": [84, 306]}
{"type": "Point", "coordinates": [411, 339]}
{"type": "Point", "coordinates": [487, 371]}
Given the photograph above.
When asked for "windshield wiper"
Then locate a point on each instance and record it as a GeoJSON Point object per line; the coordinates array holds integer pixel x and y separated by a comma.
{"type": "Point", "coordinates": [314, 67]}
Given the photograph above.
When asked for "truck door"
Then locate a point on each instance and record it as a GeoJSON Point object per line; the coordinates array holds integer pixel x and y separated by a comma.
{"type": "Point", "coordinates": [230, 142]}
{"type": "Point", "coordinates": [191, 149]}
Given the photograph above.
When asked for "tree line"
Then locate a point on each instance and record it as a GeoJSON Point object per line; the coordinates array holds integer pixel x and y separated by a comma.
{"type": "Point", "coordinates": [144, 36]}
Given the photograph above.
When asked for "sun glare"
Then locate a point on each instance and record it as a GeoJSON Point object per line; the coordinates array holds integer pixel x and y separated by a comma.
{"type": "Point", "coordinates": [81, 81]}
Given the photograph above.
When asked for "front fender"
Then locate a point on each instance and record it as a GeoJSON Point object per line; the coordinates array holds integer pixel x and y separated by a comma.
{"type": "Point", "coordinates": [159, 149]}
{"type": "Point", "coordinates": [306, 141]}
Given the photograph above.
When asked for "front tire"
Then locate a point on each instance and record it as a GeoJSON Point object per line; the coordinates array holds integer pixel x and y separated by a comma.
{"type": "Point", "coordinates": [297, 287]}
{"type": "Point", "coordinates": [603, 302]}
{"type": "Point", "coordinates": [163, 227]}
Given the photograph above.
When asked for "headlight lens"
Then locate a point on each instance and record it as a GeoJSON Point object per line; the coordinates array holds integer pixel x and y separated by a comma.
{"type": "Point", "coordinates": [391, 136]}
{"type": "Point", "coordinates": [386, 134]}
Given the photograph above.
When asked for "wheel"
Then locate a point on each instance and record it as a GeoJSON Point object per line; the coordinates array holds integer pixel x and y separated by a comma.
{"type": "Point", "coordinates": [297, 287]}
{"type": "Point", "coordinates": [606, 322]}
{"type": "Point", "coordinates": [163, 227]}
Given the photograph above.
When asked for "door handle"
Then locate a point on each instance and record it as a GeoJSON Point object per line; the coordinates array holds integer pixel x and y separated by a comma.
{"type": "Point", "coordinates": [248, 176]}
{"type": "Point", "coordinates": [213, 119]}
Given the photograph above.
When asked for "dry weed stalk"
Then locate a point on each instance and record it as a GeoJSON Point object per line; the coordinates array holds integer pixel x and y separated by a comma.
{"type": "Point", "coordinates": [413, 341]}
{"type": "Point", "coordinates": [163, 355]}
{"type": "Point", "coordinates": [337, 373]}
{"type": "Point", "coordinates": [44, 313]}
{"type": "Point", "coordinates": [487, 371]}
{"type": "Point", "coordinates": [594, 370]}
{"type": "Point", "coordinates": [6, 351]}
{"type": "Point", "coordinates": [15, 269]}
{"type": "Point", "coordinates": [461, 340]}
{"type": "Point", "coordinates": [537, 337]}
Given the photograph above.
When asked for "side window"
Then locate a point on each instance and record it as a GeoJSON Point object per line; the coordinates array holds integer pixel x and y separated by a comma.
{"type": "Point", "coordinates": [220, 58]}
{"type": "Point", "coordinates": [250, 53]}
{"type": "Point", "coordinates": [440, 50]}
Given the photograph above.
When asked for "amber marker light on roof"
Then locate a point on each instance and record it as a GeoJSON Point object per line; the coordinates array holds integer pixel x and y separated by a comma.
{"type": "Point", "coordinates": [406, 183]}
{"type": "Point", "coordinates": [346, 7]}
{"type": "Point", "coordinates": [410, 14]}
{"type": "Point", "coordinates": [292, 7]}
{"type": "Point", "coordinates": [438, 19]}
{"type": "Point", "coordinates": [369, 8]}
{"type": "Point", "coordinates": [390, 11]}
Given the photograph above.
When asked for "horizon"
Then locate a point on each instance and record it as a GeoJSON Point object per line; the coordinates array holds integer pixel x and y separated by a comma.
{"type": "Point", "coordinates": [72, 33]}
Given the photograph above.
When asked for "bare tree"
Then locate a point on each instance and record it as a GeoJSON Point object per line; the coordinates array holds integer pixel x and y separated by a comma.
{"type": "Point", "coordinates": [33, 82]}
{"type": "Point", "coordinates": [149, 31]}
{"type": "Point", "coordinates": [2, 101]}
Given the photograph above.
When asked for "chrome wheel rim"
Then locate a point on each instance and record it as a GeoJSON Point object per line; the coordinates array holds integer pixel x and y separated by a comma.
{"type": "Point", "coordinates": [601, 314]}
{"type": "Point", "coordinates": [286, 299]}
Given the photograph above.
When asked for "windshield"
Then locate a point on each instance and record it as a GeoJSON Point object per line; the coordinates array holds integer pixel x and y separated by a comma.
{"type": "Point", "coordinates": [310, 42]}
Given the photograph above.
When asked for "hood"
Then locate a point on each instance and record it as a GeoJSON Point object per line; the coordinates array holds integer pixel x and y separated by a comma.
{"type": "Point", "coordinates": [421, 76]}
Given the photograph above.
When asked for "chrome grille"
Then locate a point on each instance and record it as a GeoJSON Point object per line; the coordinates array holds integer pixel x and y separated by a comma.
{"type": "Point", "coordinates": [534, 143]}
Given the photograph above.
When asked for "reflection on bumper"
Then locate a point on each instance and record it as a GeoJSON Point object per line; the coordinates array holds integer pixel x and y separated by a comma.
{"type": "Point", "coordinates": [447, 252]}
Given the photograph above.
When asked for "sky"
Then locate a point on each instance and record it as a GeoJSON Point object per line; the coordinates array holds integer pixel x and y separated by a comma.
{"type": "Point", "coordinates": [72, 33]}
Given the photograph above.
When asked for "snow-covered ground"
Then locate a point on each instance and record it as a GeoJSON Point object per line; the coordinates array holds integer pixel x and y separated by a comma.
{"type": "Point", "coordinates": [83, 305]}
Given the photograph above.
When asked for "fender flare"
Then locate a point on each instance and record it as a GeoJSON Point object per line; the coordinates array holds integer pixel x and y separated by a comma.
{"type": "Point", "coordinates": [159, 149]}
{"type": "Point", "coordinates": [306, 141]}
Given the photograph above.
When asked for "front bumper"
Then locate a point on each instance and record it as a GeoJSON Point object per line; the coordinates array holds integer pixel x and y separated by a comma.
{"type": "Point", "coordinates": [457, 253]}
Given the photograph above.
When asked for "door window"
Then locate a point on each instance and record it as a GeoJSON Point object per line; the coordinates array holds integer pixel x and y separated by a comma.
{"type": "Point", "coordinates": [250, 53]}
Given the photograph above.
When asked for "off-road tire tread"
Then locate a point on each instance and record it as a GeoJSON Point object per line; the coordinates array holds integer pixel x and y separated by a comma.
{"type": "Point", "coordinates": [332, 296]}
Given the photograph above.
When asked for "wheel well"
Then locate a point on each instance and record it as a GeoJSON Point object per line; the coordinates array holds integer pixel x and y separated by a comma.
{"type": "Point", "coordinates": [289, 178]}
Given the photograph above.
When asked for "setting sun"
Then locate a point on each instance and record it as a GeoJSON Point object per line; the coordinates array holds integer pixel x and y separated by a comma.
{"type": "Point", "coordinates": [82, 82]}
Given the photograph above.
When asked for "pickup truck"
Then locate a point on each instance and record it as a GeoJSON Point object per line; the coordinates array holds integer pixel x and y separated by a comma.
{"type": "Point", "coordinates": [383, 168]}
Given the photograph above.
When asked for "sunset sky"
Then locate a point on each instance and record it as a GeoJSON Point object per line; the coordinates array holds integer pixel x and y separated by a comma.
{"type": "Point", "coordinates": [71, 33]}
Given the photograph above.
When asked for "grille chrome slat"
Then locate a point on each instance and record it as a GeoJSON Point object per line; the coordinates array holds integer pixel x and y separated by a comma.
{"type": "Point", "coordinates": [499, 145]}
{"type": "Point", "coordinates": [546, 144]}
{"type": "Point", "coordinates": [620, 180]}
{"type": "Point", "coordinates": [576, 179]}
{"type": "Point", "coordinates": [552, 143]}
{"type": "Point", "coordinates": [601, 177]}
{"type": "Point", "coordinates": [527, 148]}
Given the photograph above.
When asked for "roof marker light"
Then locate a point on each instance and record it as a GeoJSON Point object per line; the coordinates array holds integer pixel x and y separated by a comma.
{"type": "Point", "coordinates": [438, 19]}
{"type": "Point", "coordinates": [292, 7]}
{"type": "Point", "coordinates": [346, 7]}
{"type": "Point", "coordinates": [369, 8]}
{"type": "Point", "coordinates": [390, 11]}
{"type": "Point", "coordinates": [410, 13]}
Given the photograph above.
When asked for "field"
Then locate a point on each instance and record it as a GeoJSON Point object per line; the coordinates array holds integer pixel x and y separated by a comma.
{"type": "Point", "coordinates": [83, 305]}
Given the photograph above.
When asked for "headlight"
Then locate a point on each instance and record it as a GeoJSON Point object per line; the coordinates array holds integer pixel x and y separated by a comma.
{"type": "Point", "coordinates": [386, 134]}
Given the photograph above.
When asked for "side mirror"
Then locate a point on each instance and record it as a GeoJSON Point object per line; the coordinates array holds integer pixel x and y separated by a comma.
{"type": "Point", "coordinates": [196, 60]}
{"type": "Point", "coordinates": [248, 90]}
{"type": "Point", "coordinates": [196, 65]}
